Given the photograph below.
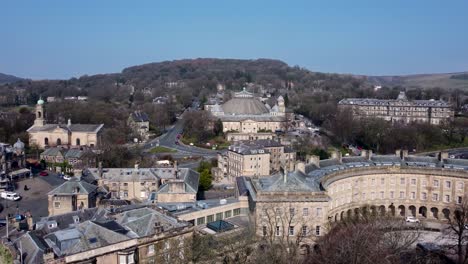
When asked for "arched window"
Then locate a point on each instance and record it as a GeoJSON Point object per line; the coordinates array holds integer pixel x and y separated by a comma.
{"type": "Point", "coordinates": [39, 114]}
{"type": "Point", "coordinates": [59, 142]}
{"type": "Point", "coordinates": [46, 141]}
{"type": "Point", "coordinates": [78, 142]}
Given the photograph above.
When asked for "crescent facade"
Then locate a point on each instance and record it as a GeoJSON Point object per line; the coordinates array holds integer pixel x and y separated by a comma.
{"type": "Point", "coordinates": [301, 203]}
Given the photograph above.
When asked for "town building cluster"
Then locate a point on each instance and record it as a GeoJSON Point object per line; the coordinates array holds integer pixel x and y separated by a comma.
{"type": "Point", "coordinates": [149, 215]}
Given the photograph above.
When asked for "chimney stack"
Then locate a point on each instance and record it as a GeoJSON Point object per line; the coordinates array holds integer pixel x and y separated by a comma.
{"type": "Point", "coordinates": [176, 172]}
{"type": "Point", "coordinates": [443, 155]}
{"type": "Point", "coordinates": [313, 159]}
{"type": "Point", "coordinates": [100, 169]}
{"type": "Point", "coordinates": [336, 154]}
{"type": "Point", "coordinates": [285, 176]}
{"type": "Point", "coordinates": [69, 122]}
{"type": "Point", "coordinates": [300, 166]}
{"type": "Point", "coordinates": [398, 153]}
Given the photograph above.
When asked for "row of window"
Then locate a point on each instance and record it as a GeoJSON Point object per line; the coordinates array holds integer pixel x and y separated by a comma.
{"type": "Point", "coordinates": [413, 181]}
{"type": "Point", "coordinates": [291, 231]}
{"type": "Point", "coordinates": [402, 195]}
{"type": "Point", "coordinates": [292, 212]}
{"type": "Point", "coordinates": [219, 216]}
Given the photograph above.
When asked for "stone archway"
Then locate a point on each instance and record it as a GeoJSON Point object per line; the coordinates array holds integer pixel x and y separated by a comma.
{"type": "Point", "coordinates": [446, 213]}
{"type": "Point", "coordinates": [342, 215]}
{"type": "Point", "coordinates": [402, 210]}
{"type": "Point", "coordinates": [336, 217]}
{"type": "Point", "coordinates": [412, 210]}
{"type": "Point", "coordinates": [382, 210]}
{"type": "Point", "coordinates": [373, 210]}
{"type": "Point", "coordinates": [46, 141]}
{"type": "Point", "coordinates": [435, 212]}
{"type": "Point", "coordinates": [423, 211]}
{"type": "Point", "coordinates": [392, 210]}
{"type": "Point", "coordinates": [357, 213]}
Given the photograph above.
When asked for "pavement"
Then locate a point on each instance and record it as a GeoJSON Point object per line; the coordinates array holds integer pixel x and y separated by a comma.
{"type": "Point", "coordinates": [33, 200]}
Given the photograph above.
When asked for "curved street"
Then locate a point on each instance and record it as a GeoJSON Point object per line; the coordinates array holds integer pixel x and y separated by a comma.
{"type": "Point", "coordinates": [170, 137]}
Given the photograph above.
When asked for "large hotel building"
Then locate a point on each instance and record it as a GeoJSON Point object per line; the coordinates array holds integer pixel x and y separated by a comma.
{"type": "Point", "coordinates": [431, 111]}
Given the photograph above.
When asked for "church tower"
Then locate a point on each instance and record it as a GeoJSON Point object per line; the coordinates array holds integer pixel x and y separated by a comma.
{"type": "Point", "coordinates": [281, 106]}
{"type": "Point", "coordinates": [40, 119]}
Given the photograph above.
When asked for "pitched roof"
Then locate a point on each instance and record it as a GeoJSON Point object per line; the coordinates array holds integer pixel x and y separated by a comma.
{"type": "Point", "coordinates": [73, 186]}
{"type": "Point", "coordinates": [90, 128]}
{"type": "Point", "coordinates": [294, 182]}
{"type": "Point", "coordinates": [139, 116]}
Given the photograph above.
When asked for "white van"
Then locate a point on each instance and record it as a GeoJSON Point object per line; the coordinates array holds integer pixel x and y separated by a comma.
{"type": "Point", "coordinates": [10, 196]}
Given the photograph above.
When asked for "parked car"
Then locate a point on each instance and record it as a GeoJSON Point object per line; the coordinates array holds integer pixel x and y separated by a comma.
{"type": "Point", "coordinates": [412, 219]}
{"type": "Point", "coordinates": [43, 173]}
{"type": "Point", "coordinates": [67, 177]}
{"type": "Point", "coordinates": [10, 196]}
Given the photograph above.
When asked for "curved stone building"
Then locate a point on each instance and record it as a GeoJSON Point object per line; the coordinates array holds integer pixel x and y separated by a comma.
{"type": "Point", "coordinates": [301, 203]}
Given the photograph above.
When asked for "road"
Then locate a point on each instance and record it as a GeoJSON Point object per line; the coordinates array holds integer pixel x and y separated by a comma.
{"type": "Point", "coordinates": [458, 153]}
{"type": "Point", "coordinates": [170, 137]}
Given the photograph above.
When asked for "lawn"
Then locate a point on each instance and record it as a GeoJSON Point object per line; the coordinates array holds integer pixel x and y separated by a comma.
{"type": "Point", "coordinates": [160, 149]}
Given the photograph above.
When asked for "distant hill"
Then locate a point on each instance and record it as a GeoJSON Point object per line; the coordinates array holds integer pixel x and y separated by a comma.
{"type": "Point", "coordinates": [5, 78]}
{"type": "Point", "coordinates": [443, 80]}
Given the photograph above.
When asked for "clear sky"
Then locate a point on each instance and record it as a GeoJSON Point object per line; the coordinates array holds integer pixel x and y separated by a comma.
{"type": "Point", "coordinates": [61, 39]}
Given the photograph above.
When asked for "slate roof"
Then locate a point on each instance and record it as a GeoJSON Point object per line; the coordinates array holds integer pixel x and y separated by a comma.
{"type": "Point", "coordinates": [295, 182]}
{"type": "Point", "coordinates": [32, 246]}
{"type": "Point", "coordinates": [85, 236]}
{"type": "Point", "coordinates": [70, 187]}
{"type": "Point", "coordinates": [66, 153]}
{"type": "Point", "coordinates": [94, 128]}
{"type": "Point", "coordinates": [139, 116]}
{"type": "Point", "coordinates": [142, 221]}
{"type": "Point", "coordinates": [191, 179]}
{"type": "Point", "coordinates": [67, 220]}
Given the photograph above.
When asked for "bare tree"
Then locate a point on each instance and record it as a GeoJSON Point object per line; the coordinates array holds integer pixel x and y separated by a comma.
{"type": "Point", "coordinates": [457, 227]}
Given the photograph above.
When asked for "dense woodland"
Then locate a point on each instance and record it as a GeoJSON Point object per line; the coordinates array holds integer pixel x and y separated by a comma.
{"type": "Point", "coordinates": [112, 97]}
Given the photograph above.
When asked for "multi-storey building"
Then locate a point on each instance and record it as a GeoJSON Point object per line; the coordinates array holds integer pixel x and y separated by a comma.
{"type": "Point", "coordinates": [254, 158]}
{"type": "Point", "coordinates": [400, 110]}
{"type": "Point", "coordinates": [246, 117]}
{"type": "Point", "coordinates": [302, 202]}
{"type": "Point", "coordinates": [125, 235]}
{"type": "Point", "coordinates": [143, 184]}
{"type": "Point", "coordinates": [71, 196]}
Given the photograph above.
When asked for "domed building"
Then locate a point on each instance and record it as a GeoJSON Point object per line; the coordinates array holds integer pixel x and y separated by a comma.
{"type": "Point", "coordinates": [245, 117]}
{"type": "Point", "coordinates": [45, 135]}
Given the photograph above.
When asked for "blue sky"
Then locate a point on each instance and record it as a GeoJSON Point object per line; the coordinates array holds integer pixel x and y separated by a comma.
{"type": "Point", "coordinates": [61, 39]}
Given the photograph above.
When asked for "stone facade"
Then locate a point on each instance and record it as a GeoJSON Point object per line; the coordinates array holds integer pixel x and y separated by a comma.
{"type": "Point", "coordinates": [71, 196]}
{"type": "Point", "coordinates": [45, 135]}
{"type": "Point", "coordinates": [143, 184]}
{"type": "Point", "coordinates": [400, 110]}
{"type": "Point", "coordinates": [301, 203]}
{"type": "Point", "coordinates": [254, 158]}
{"type": "Point", "coordinates": [245, 115]}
